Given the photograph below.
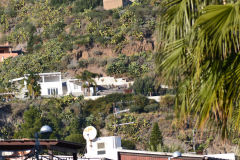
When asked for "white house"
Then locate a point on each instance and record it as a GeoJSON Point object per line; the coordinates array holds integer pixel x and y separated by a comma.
{"type": "Point", "coordinates": [52, 84]}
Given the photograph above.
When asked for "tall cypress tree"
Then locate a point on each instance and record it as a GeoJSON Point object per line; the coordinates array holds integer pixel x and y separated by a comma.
{"type": "Point", "coordinates": [156, 137]}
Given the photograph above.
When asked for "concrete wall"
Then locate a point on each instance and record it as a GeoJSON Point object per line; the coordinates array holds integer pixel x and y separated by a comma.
{"type": "Point", "coordinates": [112, 4]}
{"type": "Point", "coordinates": [105, 81]}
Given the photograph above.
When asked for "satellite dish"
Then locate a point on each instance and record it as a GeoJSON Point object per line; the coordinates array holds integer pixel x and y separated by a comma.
{"type": "Point", "coordinates": [89, 133]}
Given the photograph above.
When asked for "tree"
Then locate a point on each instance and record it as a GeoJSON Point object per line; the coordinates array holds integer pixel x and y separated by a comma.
{"type": "Point", "coordinates": [80, 5]}
{"type": "Point", "coordinates": [200, 57]}
{"type": "Point", "coordinates": [156, 137]}
{"type": "Point", "coordinates": [34, 88]}
{"type": "Point", "coordinates": [78, 138]}
{"type": "Point", "coordinates": [87, 78]}
{"type": "Point", "coordinates": [32, 123]}
{"type": "Point", "coordinates": [145, 86]}
{"type": "Point", "coordinates": [128, 144]}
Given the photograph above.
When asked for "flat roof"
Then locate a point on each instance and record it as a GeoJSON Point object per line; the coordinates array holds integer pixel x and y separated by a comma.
{"type": "Point", "coordinates": [28, 144]}
{"type": "Point", "coordinates": [5, 46]}
{"type": "Point", "coordinates": [159, 154]}
{"type": "Point", "coordinates": [43, 74]}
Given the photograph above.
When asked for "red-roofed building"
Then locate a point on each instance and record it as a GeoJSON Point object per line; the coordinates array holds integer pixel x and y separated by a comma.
{"type": "Point", "coordinates": [6, 52]}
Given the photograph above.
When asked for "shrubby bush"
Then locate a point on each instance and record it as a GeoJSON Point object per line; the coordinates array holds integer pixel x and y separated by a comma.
{"type": "Point", "coordinates": [133, 66]}
{"type": "Point", "coordinates": [83, 40]}
{"type": "Point", "coordinates": [136, 108]}
{"type": "Point", "coordinates": [83, 63]}
{"type": "Point", "coordinates": [167, 101]}
{"type": "Point", "coordinates": [60, 2]}
{"type": "Point", "coordinates": [98, 53]}
{"type": "Point", "coordinates": [77, 138]}
{"type": "Point", "coordinates": [151, 107]}
{"type": "Point", "coordinates": [80, 5]}
{"type": "Point", "coordinates": [128, 144]}
{"type": "Point", "coordinates": [146, 86]}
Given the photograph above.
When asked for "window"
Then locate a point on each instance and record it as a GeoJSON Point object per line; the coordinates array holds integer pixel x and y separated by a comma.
{"type": "Point", "coordinates": [101, 148]}
{"type": "Point", "coordinates": [101, 152]}
{"type": "Point", "coordinates": [1, 51]}
{"type": "Point", "coordinates": [52, 78]}
{"type": "Point", "coordinates": [101, 145]}
{"type": "Point", "coordinates": [52, 91]}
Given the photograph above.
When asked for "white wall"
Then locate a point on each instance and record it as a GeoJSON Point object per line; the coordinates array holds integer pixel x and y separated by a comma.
{"type": "Point", "coordinates": [73, 90]}
{"type": "Point", "coordinates": [47, 85]}
{"type": "Point", "coordinates": [104, 81]}
{"type": "Point", "coordinates": [111, 144]}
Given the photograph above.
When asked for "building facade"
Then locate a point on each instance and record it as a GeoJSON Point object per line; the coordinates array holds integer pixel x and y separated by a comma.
{"type": "Point", "coordinates": [113, 4]}
{"type": "Point", "coordinates": [6, 52]}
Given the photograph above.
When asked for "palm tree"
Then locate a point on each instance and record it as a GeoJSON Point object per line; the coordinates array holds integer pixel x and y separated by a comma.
{"type": "Point", "coordinates": [200, 55]}
{"type": "Point", "coordinates": [34, 88]}
{"type": "Point", "coordinates": [87, 78]}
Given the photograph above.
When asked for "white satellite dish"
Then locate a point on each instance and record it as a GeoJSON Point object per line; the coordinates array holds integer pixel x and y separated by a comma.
{"type": "Point", "coordinates": [89, 133]}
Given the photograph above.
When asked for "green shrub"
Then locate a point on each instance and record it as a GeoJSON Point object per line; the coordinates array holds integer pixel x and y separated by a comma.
{"type": "Point", "coordinates": [77, 138]}
{"type": "Point", "coordinates": [151, 107]}
{"type": "Point", "coordinates": [80, 5]}
{"type": "Point", "coordinates": [167, 101]}
{"type": "Point", "coordinates": [60, 2]}
{"type": "Point", "coordinates": [83, 40]}
{"type": "Point", "coordinates": [91, 60]}
{"type": "Point", "coordinates": [103, 62]}
{"type": "Point", "coordinates": [136, 108]}
{"type": "Point", "coordinates": [83, 63]}
{"type": "Point", "coordinates": [127, 144]}
{"type": "Point", "coordinates": [116, 15]}
{"type": "Point", "coordinates": [98, 53]}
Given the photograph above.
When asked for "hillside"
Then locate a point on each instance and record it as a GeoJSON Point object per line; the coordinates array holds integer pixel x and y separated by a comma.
{"type": "Point", "coordinates": [69, 116]}
{"type": "Point", "coordinates": [65, 36]}
{"type": "Point", "coordinates": [71, 36]}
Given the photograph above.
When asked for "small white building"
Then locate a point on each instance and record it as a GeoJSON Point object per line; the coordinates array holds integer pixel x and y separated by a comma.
{"type": "Point", "coordinates": [103, 147]}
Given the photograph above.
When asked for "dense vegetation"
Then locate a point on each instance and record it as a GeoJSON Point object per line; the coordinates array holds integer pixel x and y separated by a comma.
{"type": "Point", "coordinates": [51, 32]}
{"type": "Point", "coordinates": [68, 116]}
